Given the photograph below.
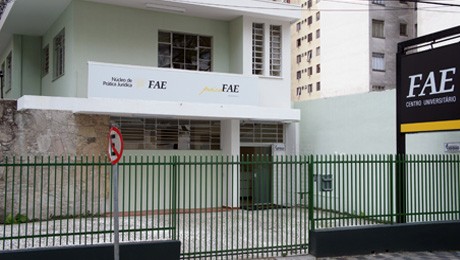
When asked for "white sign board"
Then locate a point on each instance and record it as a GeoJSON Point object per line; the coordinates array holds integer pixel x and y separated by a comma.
{"type": "Point", "coordinates": [452, 147]}
{"type": "Point", "coordinates": [149, 83]}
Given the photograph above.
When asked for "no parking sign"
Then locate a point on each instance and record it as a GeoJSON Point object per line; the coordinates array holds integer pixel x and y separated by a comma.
{"type": "Point", "coordinates": [115, 149]}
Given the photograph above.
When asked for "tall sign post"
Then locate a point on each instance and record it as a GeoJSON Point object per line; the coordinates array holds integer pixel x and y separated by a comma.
{"type": "Point", "coordinates": [115, 151]}
{"type": "Point", "coordinates": [427, 95]}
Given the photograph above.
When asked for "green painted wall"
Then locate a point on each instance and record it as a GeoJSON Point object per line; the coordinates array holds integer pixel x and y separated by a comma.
{"type": "Point", "coordinates": [106, 33]}
{"type": "Point", "coordinates": [237, 43]}
{"type": "Point", "coordinates": [360, 124]}
{"type": "Point", "coordinates": [65, 85]}
{"type": "Point", "coordinates": [31, 65]}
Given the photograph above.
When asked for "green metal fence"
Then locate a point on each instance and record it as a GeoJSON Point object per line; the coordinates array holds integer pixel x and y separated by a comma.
{"type": "Point", "coordinates": [352, 190]}
{"type": "Point", "coordinates": [218, 206]}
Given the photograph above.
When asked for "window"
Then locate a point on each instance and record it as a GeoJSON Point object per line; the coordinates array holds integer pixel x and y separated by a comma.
{"type": "Point", "coordinates": [310, 37]}
{"type": "Point", "coordinates": [169, 134]}
{"type": "Point", "coordinates": [317, 34]}
{"type": "Point", "coordinates": [318, 51]}
{"type": "Point", "coordinates": [299, 91]}
{"type": "Point", "coordinates": [275, 50]}
{"type": "Point", "coordinates": [299, 59]}
{"type": "Point", "coordinates": [318, 86]}
{"type": "Point", "coordinates": [309, 55]}
{"type": "Point", "coordinates": [59, 55]}
{"type": "Point", "coordinates": [403, 29]}
{"type": "Point", "coordinates": [318, 68]}
{"type": "Point", "coordinates": [256, 132]}
{"type": "Point", "coordinates": [258, 48]}
{"type": "Point", "coordinates": [298, 26]}
{"type": "Point", "coordinates": [184, 51]}
{"type": "Point", "coordinates": [45, 60]}
{"type": "Point", "coordinates": [8, 72]}
{"type": "Point", "coordinates": [378, 2]}
{"type": "Point", "coordinates": [299, 42]}
{"type": "Point", "coordinates": [310, 88]}
{"type": "Point", "coordinates": [309, 3]}
{"type": "Point", "coordinates": [377, 29]}
{"type": "Point", "coordinates": [378, 61]}
{"type": "Point", "coordinates": [378, 88]}
{"type": "Point", "coordinates": [317, 16]}
{"type": "Point", "coordinates": [299, 74]}
{"type": "Point", "coordinates": [310, 71]}
{"type": "Point", "coordinates": [310, 20]}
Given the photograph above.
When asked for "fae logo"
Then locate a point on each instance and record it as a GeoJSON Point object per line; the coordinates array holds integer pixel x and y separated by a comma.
{"type": "Point", "coordinates": [160, 84]}
{"type": "Point", "coordinates": [436, 83]}
{"type": "Point", "coordinates": [226, 88]}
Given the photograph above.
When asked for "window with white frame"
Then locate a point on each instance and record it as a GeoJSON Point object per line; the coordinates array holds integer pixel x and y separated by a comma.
{"type": "Point", "coordinates": [258, 48]}
{"type": "Point", "coordinates": [275, 50]}
{"type": "Point", "coordinates": [262, 132]}
{"type": "Point", "coordinates": [378, 61]}
{"type": "Point", "coordinates": [168, 134]}
{"type": "Point", "coordinates": [59, 54]}
{"type": "Point", "coordinates": [378, 29]}
{"type": "Point", "coordinates": [184, 51]}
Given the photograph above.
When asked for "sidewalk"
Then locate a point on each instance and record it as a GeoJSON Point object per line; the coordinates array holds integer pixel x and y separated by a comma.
{"type": "Point", "coordinates": [393, 256]}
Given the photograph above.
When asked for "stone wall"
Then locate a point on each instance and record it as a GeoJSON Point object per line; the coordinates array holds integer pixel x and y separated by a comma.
{"type": "Point", "coordinates": [36, 190]}
{"type": "Point", "coordinates": [55, 133]}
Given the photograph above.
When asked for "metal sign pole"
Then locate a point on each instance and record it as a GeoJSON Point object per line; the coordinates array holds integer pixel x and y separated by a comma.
{"type": "Point", "coordinates": [115, 152]}
{"type": "Point", "coordinates": [116, 235]}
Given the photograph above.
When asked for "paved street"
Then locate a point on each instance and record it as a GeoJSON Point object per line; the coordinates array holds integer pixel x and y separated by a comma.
{"type": "Point", "coordinates": [393, 256]}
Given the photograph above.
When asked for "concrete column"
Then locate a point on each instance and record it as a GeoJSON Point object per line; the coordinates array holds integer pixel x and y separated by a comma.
{"type": "Point", "coordinates": [230, 144]}
{"type": "Point", "coordinates": [291, 137]}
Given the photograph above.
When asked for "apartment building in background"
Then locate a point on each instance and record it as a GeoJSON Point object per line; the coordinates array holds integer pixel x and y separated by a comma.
{"type": "Point", "coordinates": [437, 16]}
{"type": "Point", "coordinates": [346, 47]}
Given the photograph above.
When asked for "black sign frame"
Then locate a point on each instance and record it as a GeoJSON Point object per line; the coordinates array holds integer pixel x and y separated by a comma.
{"type": "Point", "coordinates": [423, 64]}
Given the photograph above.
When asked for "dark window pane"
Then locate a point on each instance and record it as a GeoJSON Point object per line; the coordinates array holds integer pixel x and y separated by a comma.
{"type": "Point", "coordinates": [205, 54]}
{"type": "Point", "coordinates": [205, 65]}
{"type": "Point", "coordinates": [191, 41]}
{"type": "Point", "coordinates": [178, 40]}
{"type": "Point", "coordinates": [178, 55]}
{"type": "Point", "coordinates": [164, 49]}
{"type": "Point", "coordinates": [205, 41]}
{"type": "Point", "coordinates": [164, 37]}
{"type": "Point", "coordinates": [191, 57]}
{"type": "Point", "coordinates": [164, 62]}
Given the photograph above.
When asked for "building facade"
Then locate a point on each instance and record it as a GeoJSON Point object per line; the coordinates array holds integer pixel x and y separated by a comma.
{"type": "Point", "coordinates": [344, 47]}
{"type": "Point", "coordinates": [437, 16]}
{"type": "Point", "coordinates": [206, 76]}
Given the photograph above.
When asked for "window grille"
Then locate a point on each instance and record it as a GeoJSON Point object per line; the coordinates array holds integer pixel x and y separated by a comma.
{"type": "Point", "coordinates": [258, 48]}
{"type": "Point", "coordinates": [169, 134]}
{"type": "Point", "coordinates": [59, 54]}
{"type": "Point", "coordinates": [252, 132]}
{"type": "Point", "coordinates": [275, 50]}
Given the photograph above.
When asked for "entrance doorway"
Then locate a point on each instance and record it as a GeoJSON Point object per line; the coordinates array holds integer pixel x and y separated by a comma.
{"type": "Point", "coordinates": [256, 177]}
